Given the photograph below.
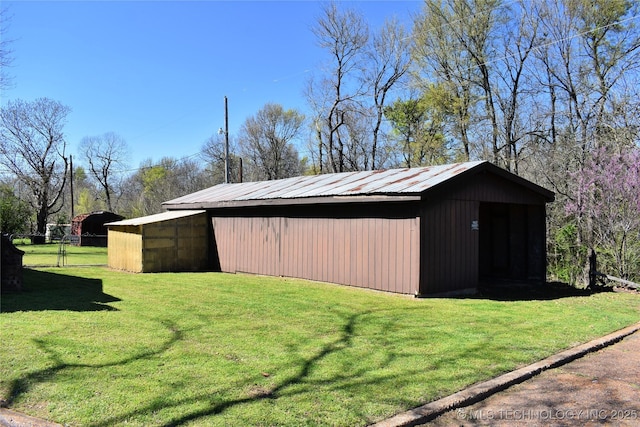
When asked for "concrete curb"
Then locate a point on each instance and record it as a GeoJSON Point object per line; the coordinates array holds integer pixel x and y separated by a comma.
{"type": "Point", "coordinates": [10, 418]}
{"type": "Point", "coordinates": [480, 391]}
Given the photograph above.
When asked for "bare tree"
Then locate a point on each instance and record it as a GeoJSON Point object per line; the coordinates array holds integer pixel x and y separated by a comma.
{"type": "Point", "coordinates": [349, 97]}
{"type": "Point", "coordinates": [336, 96]}
{"type": "Point", "coordinates": [32, 147]}
{"type": "Point", "coordinates": [106, 157]}
{"type": "Point", "coordinates": [212, 152]}
{"type": "Point", "coordinates": [515, 94]}
{"type": "Point", "coordinates": [157, 182]}
{"type": "Point", "coordinates": [388, 62]}
{"type": "Point", "coordinates": [479, 51]}
{"type": "Point", "coordinates": [266, 142]}
{"type": "Point", "coordinates": [440, 58]}
{"type": "Point", "coordinates": [589, 59]}
{"type": "Point", "coordinates": [6, 54]}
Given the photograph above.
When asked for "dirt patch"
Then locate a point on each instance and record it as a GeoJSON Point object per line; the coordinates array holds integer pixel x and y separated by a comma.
{"type": "Point", "coordinates": [600, 388]}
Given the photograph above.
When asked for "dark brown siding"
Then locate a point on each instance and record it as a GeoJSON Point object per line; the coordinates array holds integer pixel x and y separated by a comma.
{"type": "Point", "coordinates": [486, 187]}
{"type": "Point", "coordinates": [450, 246]}
{"type": "Point", "coordinates": [429, 247]}
{"type": "Point", "coordinates": [454, 257]}
{"type": "Point", "coordinates": [376, 253]}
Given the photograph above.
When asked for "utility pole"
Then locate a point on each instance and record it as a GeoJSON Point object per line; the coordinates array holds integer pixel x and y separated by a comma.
{"type": "Point", "coordinates": [226, 142]}
{"type": "Point", "coordinates": [71, 183]}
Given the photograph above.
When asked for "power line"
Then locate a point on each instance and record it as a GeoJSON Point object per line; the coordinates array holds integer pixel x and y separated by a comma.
{"type": "Point", "coordinates": [179, 159]}
{"type": "Point", "coordinates": [537, 47]}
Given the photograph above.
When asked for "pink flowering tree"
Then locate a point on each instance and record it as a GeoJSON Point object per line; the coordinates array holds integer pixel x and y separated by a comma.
{"type": "Point", "coordinates": [606, 208]}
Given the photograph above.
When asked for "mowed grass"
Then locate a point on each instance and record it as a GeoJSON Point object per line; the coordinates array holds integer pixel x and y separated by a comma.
{"type": "Point", "coordinates": [95, 347]}
{"type": "Point", "coordinates": [52, 254]}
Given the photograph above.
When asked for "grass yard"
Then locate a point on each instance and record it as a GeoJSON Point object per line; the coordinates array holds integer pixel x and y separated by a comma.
{"type": "Point", "coordinates": [50, 254]}
{"type": "Point", "coordinates": [95, 347]}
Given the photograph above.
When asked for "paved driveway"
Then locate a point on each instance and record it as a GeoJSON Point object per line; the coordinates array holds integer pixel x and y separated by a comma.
{"type": "Point", "coordinates": [601, 388]}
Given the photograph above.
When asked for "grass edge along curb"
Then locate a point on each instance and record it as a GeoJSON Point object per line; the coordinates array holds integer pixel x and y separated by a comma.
{"type": "Point", "coordinates": [9, 418]}
{"type": "Point", "coordinates": [480, 391]}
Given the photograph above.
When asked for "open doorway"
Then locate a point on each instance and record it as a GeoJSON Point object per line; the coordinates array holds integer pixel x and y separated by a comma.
{"type": "Point", "coordinates": [512, 242]}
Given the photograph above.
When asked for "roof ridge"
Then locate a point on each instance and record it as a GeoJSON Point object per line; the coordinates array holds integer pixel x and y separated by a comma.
{"type": "Point", "coordinates": [396, 181]}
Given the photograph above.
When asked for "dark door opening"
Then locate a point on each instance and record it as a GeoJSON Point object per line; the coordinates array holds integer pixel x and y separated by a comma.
{"type": "Point", "coordinates": [504, 242]}
{"type": "Point", "coordinates": [494, 241]}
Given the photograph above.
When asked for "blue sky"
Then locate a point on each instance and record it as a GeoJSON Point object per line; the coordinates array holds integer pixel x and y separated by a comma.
{"type": "Point", "coordinates": [157, 72]}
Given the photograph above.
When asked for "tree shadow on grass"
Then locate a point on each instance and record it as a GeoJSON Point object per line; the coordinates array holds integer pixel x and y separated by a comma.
{"type": "Point", "coordinates": [342, 342]}
{"type": "Point", "coordinates": [299, 382]}
{"type": "Point", "coordinates": [514, 291]}
{"type": "Point", "coordinates": [22, 385]}
{"type": "Point", "coordinates": [286, 387]}
{"type": "Point", "coordinates": [281, 389]}
{"type": "Point", "coordinates": [52, 291]}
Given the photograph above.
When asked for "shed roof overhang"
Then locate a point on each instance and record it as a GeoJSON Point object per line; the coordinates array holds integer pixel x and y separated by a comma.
{"type": "Point", "coordinates": [151, 219]}
{"type": "Point", "coordinates": [293, 201]}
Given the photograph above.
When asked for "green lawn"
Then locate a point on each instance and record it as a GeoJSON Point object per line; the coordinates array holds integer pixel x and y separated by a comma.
{"type": "Point", "coordinates": [52, 254]}
{"type": "Point", "coordinates": [94, 347]}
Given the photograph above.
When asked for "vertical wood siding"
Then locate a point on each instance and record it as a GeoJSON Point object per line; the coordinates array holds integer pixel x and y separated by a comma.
{"type": "Point", "coordinates": [125, 249]}
{"type": "Point", "coordinates": [454, 257]}
{"type": "Point", "coordinates": [450, 246]}
{"type": "Point", "coordinates": [176, 245]}
{"type": "Point", "coordinates": [376, 253]}
{"type": "Point", "coordinates": [486, 187]}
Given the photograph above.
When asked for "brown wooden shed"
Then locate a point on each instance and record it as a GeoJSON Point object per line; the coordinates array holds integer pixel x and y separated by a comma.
{"type": "Point", "coordinates": [170, 241]}
{"type": "Point", "coordinates": [434, 230]}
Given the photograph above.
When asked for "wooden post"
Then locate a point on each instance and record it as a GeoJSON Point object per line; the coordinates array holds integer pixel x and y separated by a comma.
{"type": "Point", "coordinates": [594, 274]}
{"type": "Point", "coordinates": [593, 269]}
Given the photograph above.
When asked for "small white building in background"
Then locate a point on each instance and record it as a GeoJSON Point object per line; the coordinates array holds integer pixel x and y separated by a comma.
{"type": "Point", "coordinates": [57, 231]}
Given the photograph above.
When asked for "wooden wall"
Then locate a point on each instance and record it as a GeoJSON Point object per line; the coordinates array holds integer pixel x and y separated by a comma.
{"type": "Point", "coordinates": [450, 246]}
{"type": "Point", "coordinates": [474, 228]}
{"type": "Point", "coordinates": [377, 253]}
{"type": "Point", "coordinates": [180, 244]}
{"type": "Point", "coordinates": [177, 245]}
{"type": "Point", "coordinates": [430, 247]}
{"type": "Point", "coordinates": [486, 187]}
{"type": "Point", "coordinates": [125, 248]}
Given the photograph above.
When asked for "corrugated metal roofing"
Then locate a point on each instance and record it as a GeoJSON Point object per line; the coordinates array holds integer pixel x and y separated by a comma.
{"type": "Point", "coordinates": [408, 181]}
{"type": "Point", "coordinates": [164, 216]}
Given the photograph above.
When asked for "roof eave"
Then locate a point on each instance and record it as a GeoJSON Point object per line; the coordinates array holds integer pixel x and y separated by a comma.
{"type": "Point", "coordinates": [300, 201]}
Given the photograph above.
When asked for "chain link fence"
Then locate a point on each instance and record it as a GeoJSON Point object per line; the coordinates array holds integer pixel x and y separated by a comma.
{"type": "Point", "coordinates": [60, 251]}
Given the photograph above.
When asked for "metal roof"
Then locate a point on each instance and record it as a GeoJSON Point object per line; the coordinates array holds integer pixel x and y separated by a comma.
{"type": "Point", "coordinates": [164, 216]}
{"type": "Point", "coordinates": [407, 184]}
